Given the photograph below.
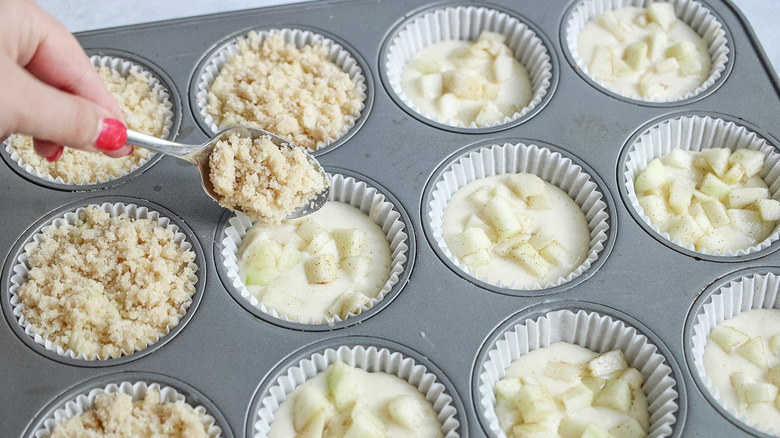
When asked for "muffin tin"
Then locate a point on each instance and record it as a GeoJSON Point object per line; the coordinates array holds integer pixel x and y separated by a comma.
{"type": "Point", "coordinates": [227, 358]}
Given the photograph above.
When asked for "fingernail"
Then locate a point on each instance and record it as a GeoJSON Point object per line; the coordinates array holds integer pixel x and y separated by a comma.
{"type": "Point", "coordinates": [113, 135]}
{"type": "Point", "coordinates": [132, 149]}
{"type": "Point", "coordinates": [55, 154]}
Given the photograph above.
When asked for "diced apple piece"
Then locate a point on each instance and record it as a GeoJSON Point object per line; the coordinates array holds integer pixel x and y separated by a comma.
{"type": "Point", "coordinates": [610, 22]}
{"type": "Point", "coordinates": [620, 68]}
{"type": "Point", "coordinates": [541, 201]}
{"type": "Point", "coordinates": [768, 209]}
{"type": "Point", "coordinates": [289, 257]}
{"type": "Point", "coordinates": [530, 259]}
{"type": "Point", "coordinates": [530, 430]}
{"type": "Point", "coordinates": [633, 377]}
{"type": "Point", "coordinates": [593, 431]}
{"type": "Point", "coordinates": [348, 302]}
{"type": "Point", "coordinates": [488, 114]}
{"type": "Point", "coordinates": [477, 259]}
{"type": "Point", "coordinates": [261, 276]}
{"type": "Point", "coordinates": [680, 194]}
{"type": "Point", "coordinates": [636, 55]}
{"type": "Point", "coordinates": [774, 346]}
{"type": "Point", "coordinates": [576, 398]}
{"type": "Point", "coordinates": [743, 197]}
{"type": "Point", "coordinates": [712, 185]}
{"type": "Point", "coordinates": [760, 393]}
{"type": "Point", "coordinates": [363, 423]}
{"type": "Point", "coordinates": [697, 213]}
{"type": "Point", "coordinates": [505, 246]}
{"type": "Point", "coordinates": [641, 20]}
{"type": "Point", "coordinates": [638, 409]}
{"type": "Point", "coordinates": [607, 363]}
{"type": "Point", "coordinates": [734, 174]}
{"type": "Point", "coordinates": [308, 228]}
{"type": "Point", "coordinates": [653, 176]}
{"type": "Point", "coordinates": [356, 267]}
{"type": "Point", "coordinates": [321, 269]}
{"type": "Point", "coordinates": [773, 375]}
{"type": "Point", "coordinates": [469, 60]}
{"type": "Point", "coordinates": [654, 207]}
{"type": "Point", "coordinates": [740, 381]}
{"type": "Point", "coordinates": [713, 241]}
{"type": "Point", "coordinates": [342, 386]}
{"type": "Point", "coordinates": [681, 50]}
{"type": "Point", "coordinates": [747, 221]}
{"type": "Point", "coordinates": [649, 85]}
{"type": "Point", "coordinates": [535, 403]}
{"type": "Point", "coordinates": [470, 241]}
{"type": "Point", "coordinates": [753, 351]}
{"type": "Point", "coordinates": [628, 429]}
{"type": "Point", "coordinates": [480, 197]}
{"type": "Point", "coordinates": [716, 213]}
{"type": "Point", "coordinates": [750, 159]}
{"type": "Point", "coordinates": [661, 13]}
{"type": "Point", "coordinates": [728, 338]}
{"type": "Point", "coordinates": [678, 158]}
{"type": "Point", "coordinates": [690, 67]}
{"type": "Point", "coordinates": [500, 216]}
{"type": "Point", "coordinates": [508, 388]}
{"type": "Point", "coordinates": [571, 427]}
{"type": "Point", "coordinates": [310, 402]}
{"type": "Point", "coordinates": [656, 44]}
{"type": "Point", "coordinates": [502, 67]}
{"type": "Point", "coordinates": [686, 229]}
{"type": "Point", "coordinates": [717, 158]}
{"type": "Point", "coordinates": [527, 184]}
{"type": "Point", "coordinates": [406, 411]}
{"type": "Point", "coordinates": [448, 106]}
{"type": "Point", "coordinates": [601, 63]}
{"type": "Point", "coordinates": [431, 85]}
{"type": "Point", "coordinates": [265, 254]}
{"type": "Point", "coordinates": [595, 384]}
{"type": "Point", "coordinates": [615, 395]}
{"type": "Point", "coordinates": [556, 254]}
{"type": "Point", "coordinates": [280, 300]}
{"type": "Point", "coordinates": [464, 84]}
{"type": "Point", "coordinates": [349, 242]}
{"type": "Point", "coordinates": [427, 65]}
{"type": "Point", "coordinates": [564, 371]}
{"type": "Point", "coordinates": [318, 242]}
{"type": "Point", "coordinates": [666, 65]}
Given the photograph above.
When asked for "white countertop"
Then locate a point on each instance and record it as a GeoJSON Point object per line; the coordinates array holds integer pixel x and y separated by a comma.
{"type": "Point", "coordinates": [762, 14]}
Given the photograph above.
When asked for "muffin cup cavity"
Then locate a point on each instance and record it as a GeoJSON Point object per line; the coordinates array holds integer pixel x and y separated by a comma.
{"type": "Point", "coordinates": [369, 358]}
{"type": "Point", "coordinates": [466, 23]}
{"type": "Point", "coordinates": [338, 54]}
{"type": "Point", "coordinates": [596, 331]}
{"type": "Point", "coordinates": [551, 166]}
{"type": "Point", "coordinates": [124, 67]}
{"type": "Point", "coordinates": [349, 190]}
{"type": "Point", "coordinates": [743, 291]}
{"type": "Point", "coordinates": [691, 12]}
{"type": "Point", "coordinates": [20, 269]}
{"type": "Point", "coordinates": [694, 133]}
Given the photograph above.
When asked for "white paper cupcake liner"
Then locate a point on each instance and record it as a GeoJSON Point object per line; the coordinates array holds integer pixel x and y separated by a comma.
{"type": "Point", "coordinates": [123, 67]}
{"type": "Point", "coordinates": [596, 332]}
{"type": "Point", "coordinates": [694, 133]}
{"type": "Point", "coordinates": [21, 269]}
{"type": "Point", "coordinates": [691, 12]}
{"type": "Point", "coordinates": [298, 37]}
{"type": "Point", "coordinates": [368, 359]}
{"type": "Point", "coordinates": [349, 191]}
{"type": "Point", "coordinates": [515, 158]}
{"type": "Point", "coordinates": [137, 390]}
{"type": "Point", "coordinates": [466, 23]}
{"type": "Point", "coordinates": [756, 291]}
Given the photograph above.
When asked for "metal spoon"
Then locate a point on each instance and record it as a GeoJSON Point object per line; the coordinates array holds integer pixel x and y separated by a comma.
{"type": "Point", "coordinates": [199, 156]}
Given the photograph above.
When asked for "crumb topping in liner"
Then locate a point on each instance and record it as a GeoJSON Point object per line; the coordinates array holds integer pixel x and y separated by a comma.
{"type": "Point", "coordinates": [105, 285]}
{"type": "Point", "coordinates": [143, 112]}
{"type": "Point", "coordinates": [297, 93]}
{"type": "Point", "coordinates": [266, 182]}
{"type": "Point", "coordinates": [116, 414]}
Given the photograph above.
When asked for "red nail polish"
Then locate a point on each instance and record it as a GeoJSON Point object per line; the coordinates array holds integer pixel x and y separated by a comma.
{"type": "Point", "coordinates": [132, 149]}
{"type": "Point", "coordinates": [113, 135]}
{"type": "Point", "coordinates": [56, 154]}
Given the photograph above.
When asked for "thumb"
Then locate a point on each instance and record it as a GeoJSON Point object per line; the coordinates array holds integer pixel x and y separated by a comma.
{"type": "Point", "coordinates": [60, 117]}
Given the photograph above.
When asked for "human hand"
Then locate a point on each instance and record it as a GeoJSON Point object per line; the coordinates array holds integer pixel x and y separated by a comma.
{"type": "Point", "coordinates": [50, 89]}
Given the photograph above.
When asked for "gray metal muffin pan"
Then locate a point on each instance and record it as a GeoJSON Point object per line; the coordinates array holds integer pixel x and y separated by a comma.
{"type": "Point", "coordinates": [226, 354]}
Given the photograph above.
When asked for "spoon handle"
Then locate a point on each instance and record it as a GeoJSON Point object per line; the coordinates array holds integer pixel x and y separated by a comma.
{"type": "Point", "coordinates": [178, 150]}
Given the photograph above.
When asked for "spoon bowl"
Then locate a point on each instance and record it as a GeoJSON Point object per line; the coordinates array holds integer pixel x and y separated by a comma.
{"type": "Point", "coordinates": [199, 156]}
